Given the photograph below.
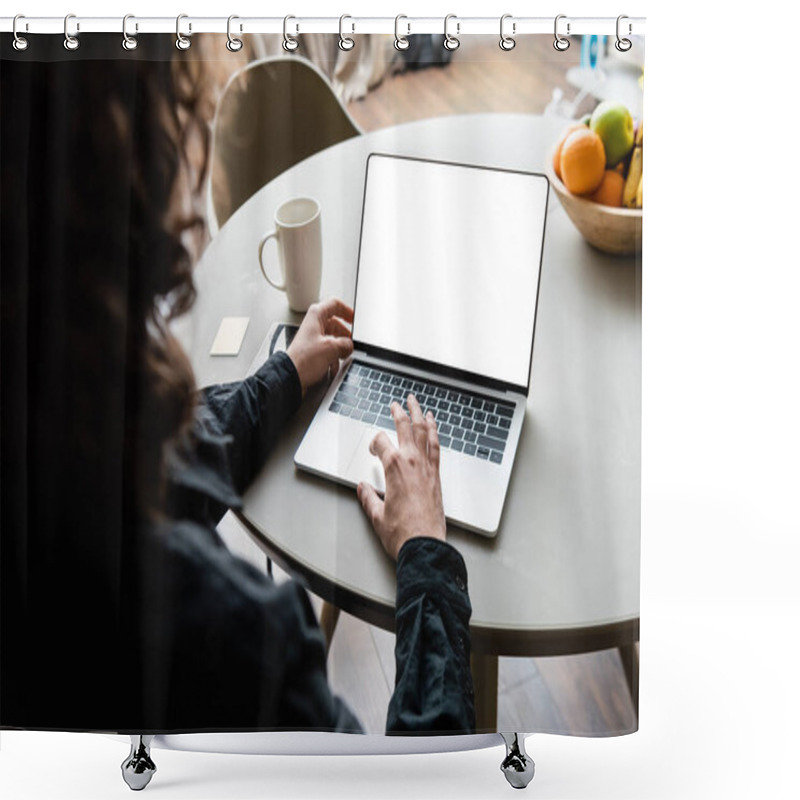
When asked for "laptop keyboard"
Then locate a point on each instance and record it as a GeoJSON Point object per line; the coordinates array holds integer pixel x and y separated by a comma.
{"type": "Point", "coordinates": [468, 423]}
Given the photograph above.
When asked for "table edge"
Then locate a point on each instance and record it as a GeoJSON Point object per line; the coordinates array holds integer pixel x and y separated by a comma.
{"type": "Point", "coordinates": [552, 641]}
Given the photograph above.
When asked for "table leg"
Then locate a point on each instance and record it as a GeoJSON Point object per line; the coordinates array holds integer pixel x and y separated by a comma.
{"type": "Point", "coordinates": [328, 618]}
{"type": "Point", "coordinates": [629, 655]}
{"type": "Point", "coordinates": [484, 679]}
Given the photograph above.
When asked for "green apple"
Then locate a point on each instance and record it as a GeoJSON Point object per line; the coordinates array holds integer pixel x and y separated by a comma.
{"type": "Point", "coordinates": [613, 123]}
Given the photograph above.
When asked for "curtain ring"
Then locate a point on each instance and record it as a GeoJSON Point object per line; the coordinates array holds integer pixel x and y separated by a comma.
{"type": "Point", "coordinates": [345, 42]}
{"type": "Point", "coordinates": [289, 42]}
{"type": "Point", "coordinates": [181, 41]}
{"type": "Point", "coordinates": [70, 42]}
{"type": "Point", "coordinates": [234, 45]}
{"type": "Point", "coordinates": [560, 43]}
{"type": "Point", "coordinates": [401, 43]}
{"type": "Point", "coordinates": [623, 45]}
{"type": "Point", "coordinates": [20, 42]}
{"type": "Point", "coordinates": [507, 42]}
{"type": "Point", "coordinates": [129, 42]}
{"type": "Point", "coordinates": [451, 42]}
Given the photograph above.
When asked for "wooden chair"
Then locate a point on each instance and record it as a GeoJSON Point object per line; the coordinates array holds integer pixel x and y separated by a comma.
{"type": "Point", "coordinates": [272, 114]}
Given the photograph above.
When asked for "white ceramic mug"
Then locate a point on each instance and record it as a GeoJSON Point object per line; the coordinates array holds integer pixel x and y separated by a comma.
{"type": "Point", "coordinates": [298, 234]}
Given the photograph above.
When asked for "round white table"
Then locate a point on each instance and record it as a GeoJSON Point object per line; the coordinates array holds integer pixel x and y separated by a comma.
{"type": "Point", "coordinates": [562, 575]}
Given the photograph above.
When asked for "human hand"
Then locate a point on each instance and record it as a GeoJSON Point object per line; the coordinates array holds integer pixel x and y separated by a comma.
{"type": "Point", "coordinates": [412, 505]}
{"type": "Point", "coordinates": [321, 341]}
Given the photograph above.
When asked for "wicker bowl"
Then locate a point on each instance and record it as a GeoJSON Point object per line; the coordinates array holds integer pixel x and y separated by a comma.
{"type": "Point", "coordinates": [613, 230]}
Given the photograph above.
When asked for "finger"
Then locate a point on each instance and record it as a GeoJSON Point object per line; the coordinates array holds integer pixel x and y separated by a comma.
{"type": "Point", "coordinates": [382, 447]}
{"type": "Point", "coordinates": [402, 423]}
{"type": "Point", "coordinates": [335, 327]}
{"type": "Point", "coordinates": [433, 440]}
{"type": "Point", "coordinates": [333, 307]}
{"type": "Point", "coordinates": [418, 423]}
{"type": "Point", "coordinates": [339, 346]}
{"type": "Point", "coordinates": [313, 313]}
{"type": "Point", "coordinates": [415, 411]}
{"type": "Point", "coordinates": [333, 369]}
{"type": "Point", "coordinates": [372, 504]}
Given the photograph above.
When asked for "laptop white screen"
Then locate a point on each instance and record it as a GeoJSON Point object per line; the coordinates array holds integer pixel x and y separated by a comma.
{"type": "Point", "coordinates": [449, 264]}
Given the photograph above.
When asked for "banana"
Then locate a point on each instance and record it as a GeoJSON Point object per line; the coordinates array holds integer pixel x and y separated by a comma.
{"type": "Point", "coordinates": [632, 181]}
{"type": "Point", "coordinates": [639, 136]}
{"type": "Point", "coordinates": [639, 193]}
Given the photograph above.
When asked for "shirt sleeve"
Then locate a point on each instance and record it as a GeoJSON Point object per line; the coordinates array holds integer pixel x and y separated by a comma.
{"type": "Point", "coordinates": [252, 413]}
{"type": "Point", "coordinates": [433, 687]}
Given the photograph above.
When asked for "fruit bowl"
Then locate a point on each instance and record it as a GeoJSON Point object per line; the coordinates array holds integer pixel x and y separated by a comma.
{"type": "Point", "coordinates": [613, 230]}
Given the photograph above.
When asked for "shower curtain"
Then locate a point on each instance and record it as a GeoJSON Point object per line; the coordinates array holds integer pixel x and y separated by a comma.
{"type": "Point", "coordinates": [166, 565]}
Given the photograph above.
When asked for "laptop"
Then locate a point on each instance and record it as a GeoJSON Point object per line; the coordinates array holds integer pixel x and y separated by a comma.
{"type": "Point", "coordinates": [446, 294]}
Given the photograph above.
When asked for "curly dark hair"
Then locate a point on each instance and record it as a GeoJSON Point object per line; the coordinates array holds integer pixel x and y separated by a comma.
{"type": "Point", "coordinates": [100, 150]}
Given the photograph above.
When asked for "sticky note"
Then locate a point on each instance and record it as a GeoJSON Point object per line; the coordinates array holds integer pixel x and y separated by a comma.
{"type": "Point", "coordinates": [230, 335]}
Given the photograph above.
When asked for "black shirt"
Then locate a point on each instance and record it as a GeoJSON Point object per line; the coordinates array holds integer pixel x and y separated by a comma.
{"type": "Point", "coordinates": [225, 647]}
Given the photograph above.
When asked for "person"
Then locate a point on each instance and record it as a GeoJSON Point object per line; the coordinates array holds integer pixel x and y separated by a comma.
{"type": "Point", "coordinates": [122, 609]}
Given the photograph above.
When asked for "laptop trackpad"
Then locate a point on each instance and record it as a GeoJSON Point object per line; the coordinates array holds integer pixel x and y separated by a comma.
{"type": "Point", "coordinates": [366, 467]}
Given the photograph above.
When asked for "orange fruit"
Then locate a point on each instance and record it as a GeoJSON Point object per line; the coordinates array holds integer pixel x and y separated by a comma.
{"type": "Point", "coordinates": [557, 154]}
{"type": "Point", "coordinates": [583, 161]}
{"type": "Point", "coordinates": [609, 192]}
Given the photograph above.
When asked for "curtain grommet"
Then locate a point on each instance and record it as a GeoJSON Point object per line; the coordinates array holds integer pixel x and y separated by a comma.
{"type": "Point", "coordinates": [233, 44]}
{"type": "Point", "coordinates": [507, 42]}
{"type": "Point", "coordinates": [71, 42]}
{"type": "Point", "coordinates": [290, 44]}
{"type": "Point", "coordinates": [129, 42]}
{"type": "Point", "coordinates": [559, 42]}
{"type": "Point", "coordinates": [20, 43]}
{"type": "Point", "coordinates": [622, 44]}
{"type": "Point", "coordinates": [346, 42]}
{"type": "Point", "coordinates": [182, 42]}
{"type": "Point", "coordinates": [451, 42]}
{"type": "Point", "coordinates": [401, 43]}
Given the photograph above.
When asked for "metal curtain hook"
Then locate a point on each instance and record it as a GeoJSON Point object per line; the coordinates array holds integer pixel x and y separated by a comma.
{"type": "Point", "coordinates": [507, 42]}
{"type": "Point", "coordinates": [181, 41]}
{"type": "Point", "coordinates": [289, 42]}
{"type": "Point", "coordinates": [71, 42]}
{"type": "Point", "coordinates": [20, 42]}
{"type": "Point", "coordinates": [623, 45]}
{"type": "Point", "coordinates": [401, 42]}
{"type": "Point", "coordinates": [345, 42]}
{"type": "Point", "coordinates": [129, 42]}
{"type": "Point", "coordinates": [451, 42]}
{"type": "Point", "coordinates": [234, 45]}
{"type": "Point", "coordinates": [560, 43]}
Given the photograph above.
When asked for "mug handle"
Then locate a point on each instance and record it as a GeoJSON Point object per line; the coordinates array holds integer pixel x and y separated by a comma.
{"type": "Point", "coordinates": [270, 235]}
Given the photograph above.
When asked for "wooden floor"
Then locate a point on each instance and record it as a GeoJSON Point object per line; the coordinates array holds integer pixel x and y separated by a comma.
{"type": "Point", "coordinates": [584, 695]}
{"type": "Point", "coordinates": [480, 78]}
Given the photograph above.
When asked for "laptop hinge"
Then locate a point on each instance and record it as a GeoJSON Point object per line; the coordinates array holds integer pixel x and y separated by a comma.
{"type": "Point", "coordinates": [439, 369]}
